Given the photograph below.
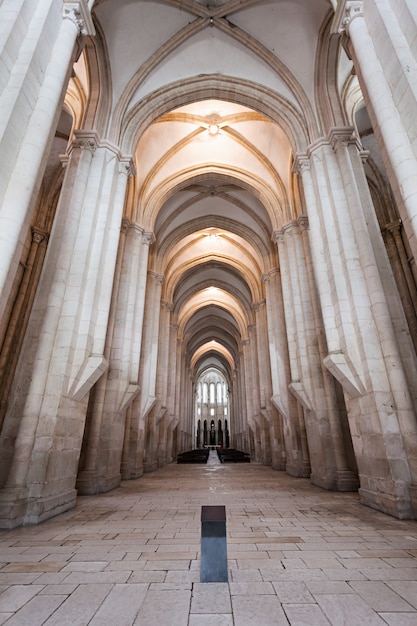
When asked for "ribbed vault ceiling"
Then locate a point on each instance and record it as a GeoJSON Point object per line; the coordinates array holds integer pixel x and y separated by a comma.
{"type": "Point", "coordinates": [213, 175]}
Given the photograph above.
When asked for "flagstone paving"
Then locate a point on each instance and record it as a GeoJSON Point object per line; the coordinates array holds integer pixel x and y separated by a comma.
{"type": "Point", "coordinates": [297, 555]}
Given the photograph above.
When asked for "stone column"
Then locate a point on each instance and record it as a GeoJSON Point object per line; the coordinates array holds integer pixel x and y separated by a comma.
{"type": "Point", "coordinates": [148, 365]}
{"type": "Point", "coordinates": [404, 276]}
{"type": "Point", "coordinates": [368, 352]}
{"type": "Point", "coordinates": [283, 401]}
{"type": "Point", "coordinates": [63, 352]}
{"type": "Point", "coordinates": [102, 470]}
{"type": "Point", "coordinates": [307, 382]}
{"type": "Point", "coordinates": [19, 316]}
{"type": "Point", "coordinates": [37, 57]}
{"type": "Point", "coordinates": [162, 374]}
{"type": "Point", "coordinates": [389, 88]}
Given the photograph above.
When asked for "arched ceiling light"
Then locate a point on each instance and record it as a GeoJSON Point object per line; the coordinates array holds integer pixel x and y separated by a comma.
{"type": "Point", "coordinates": [213, 129]}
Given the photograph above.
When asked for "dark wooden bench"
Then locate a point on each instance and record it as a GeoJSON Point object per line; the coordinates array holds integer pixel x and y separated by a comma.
{"type": "Point", "coordinates": [230, 455]}
{"type": "Point", "coordinates": [193, 456]}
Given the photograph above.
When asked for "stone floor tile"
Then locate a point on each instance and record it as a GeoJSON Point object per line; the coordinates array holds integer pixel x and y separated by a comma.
{"type": "Point", "coordinates": [246, 588]}
{"type": "Point", "coordinates": [293, 593]}
{"type": "Point", "coordinates": [51, 578]}
{"type": "Point", "coordinates": [171, 586]}
{"type": "Point", "coordinates": [348, 610]}
{"type": "Point", "coordinates": [399, 619]}
{"type": "Point", "coordinates": [4, 617]}
{"type": "Point", "coordinates": [328, 587]}
{"type": "Point", "coordinates": [294, 564]}
{"type": "Point", "coordinates": [380, 597]}
{"type": "Point", "coordinates": [401, 562]}
{"type": "Point", "coordinates": [305, 615]}
{"type": "Point", "coordinates": [37, 610]}
{"type": "Point", "coordinates": [215, 619]}
{"type": "Point", "coordinates": [42, 567]}
{"type": "Point", "coordinates": [167, 565]}
{"type": "Point", "coordinates": [164, 609]}
{"type": "Point", "coordinates": [390, 573]}
{"type": "Point", "coordinates": [314, 530]}
{"type": "Point", "coordinates": [16, 596]}
{"type": "Point", "coordinates": [234, 553]}
{"type": "Point", "coordinates": [141, 576]}
{"type": "Point", "coordinates": [363, 563]}
{"type": "Point", "coordinates": [407, 589]}
{"type": "Point", "coordinates": [58, 589]}
{"type": "Point", "coordinates": [85, 566]}
{"type": "Point", "coordinates": [211, 598]}
{"type": "Point", "coordinates": [80, 607]}
{"type": "Point", "coordinates": [237, 575]}
{"type": "Point", "coordinates": [164, 555]}
{"type": "Point", "coordinates": [97, 578]}
{"type": "Point", "coordinates": [121, 606]}
{"type": "Point", "coordinates": [258, 610]}
{"type": "Point", "coordinates": [183, 576]}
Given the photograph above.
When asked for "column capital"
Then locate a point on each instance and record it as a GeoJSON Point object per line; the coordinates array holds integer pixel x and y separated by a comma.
{"type": "Point", "coordinates": [167, 305]}
{"type": "Point", "coordinates": [337, 137]}
{"type": "Point", "coordinates": [158, 278]}
{"type": "Point", "coordinates": [38, 235]}
{"type": "Point", "coordinates": [303, 222]}
{"type": "Point", "coordinates": [125, 226]}
{"type": "Point", "coordinates": [291, 227]}
{"type": "Point", "coordinates": [266, 276]}
{"type": "Point", "coordinates": [393, 226]}
{"type": "Point", "coordinates": [79, 13]}
{"type": "Point", "coordinates": [148, 237]}
{"type": "Point", "coordinates": [86, 140]}
{"type": "Point", "coordinates": [278, 236]}
{"type": "Point", "coordinates": [91, 140]}
{"type": "Point", "coordinates": [341, 136]}
{"type": "Point", "coordinates": [126, 166]}
{"type": "Point", "coordinates": [301, 163]}
{"type": "Point", "coordinates": [346, 12]}
{"type": "Point", "coordinates": [256, 306]}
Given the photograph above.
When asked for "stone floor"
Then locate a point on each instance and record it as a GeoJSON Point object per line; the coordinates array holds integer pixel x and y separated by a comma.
{"type": "Point", "coordinates": [296, 555]}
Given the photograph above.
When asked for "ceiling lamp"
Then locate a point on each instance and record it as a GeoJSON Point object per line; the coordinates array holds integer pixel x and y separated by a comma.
{"type": "Point", "coordinates": [213, 129]}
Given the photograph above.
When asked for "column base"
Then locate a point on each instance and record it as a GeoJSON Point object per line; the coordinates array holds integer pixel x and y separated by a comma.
{"type": "Point", "coordinates": [108, 484]}
{"type": "Point", "coordinates": [299, 470]}
{"type": "Point", "coordinates": [150, 467]}
{"type": "Point", "coordinates": [347, 480]}
{"type": "Point", "coordinates": [280, 466]}
{"type": "Point", "coordinates": [131, 473]}
{"type": "Point", "coordinates": [413, 499]}
{"type": "Point", "coordinates": [41, 509]}
{"type": "Point", "coordinates": [86, 483]}
{"type": "Point", "coordinates": [13, 505]}
{"type": "Point", "coordinates": [396, 506]}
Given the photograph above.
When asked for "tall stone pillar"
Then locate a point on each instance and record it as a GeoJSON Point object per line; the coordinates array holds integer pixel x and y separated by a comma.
{"type": "Point", "coordinates": [289, 441]}
{"type": "Point", "coordinates": [369, 351]}
{"type": "Point", "coordinates": [264, 380]}
{"type": "Point", "coordinates": [328, 462]}
{"type": "Point", "coordinates": [162, 373]}
{"type": "Point", "coordinates": [380, 38]}
{"type": "Point", "coordinates": [171, 389]}
{"type": "Point", "coordinates": [148, 365]}
{"type": "Point", "coordinates": [37, 54]}
{"type": "Point", "coordinates": [63, 351]}
{"type": "Point", "coordinates": [117, 390]}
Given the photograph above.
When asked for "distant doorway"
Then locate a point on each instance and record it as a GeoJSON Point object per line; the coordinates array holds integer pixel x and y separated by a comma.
{"type": "Point", "coordinates": [212, 410]}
